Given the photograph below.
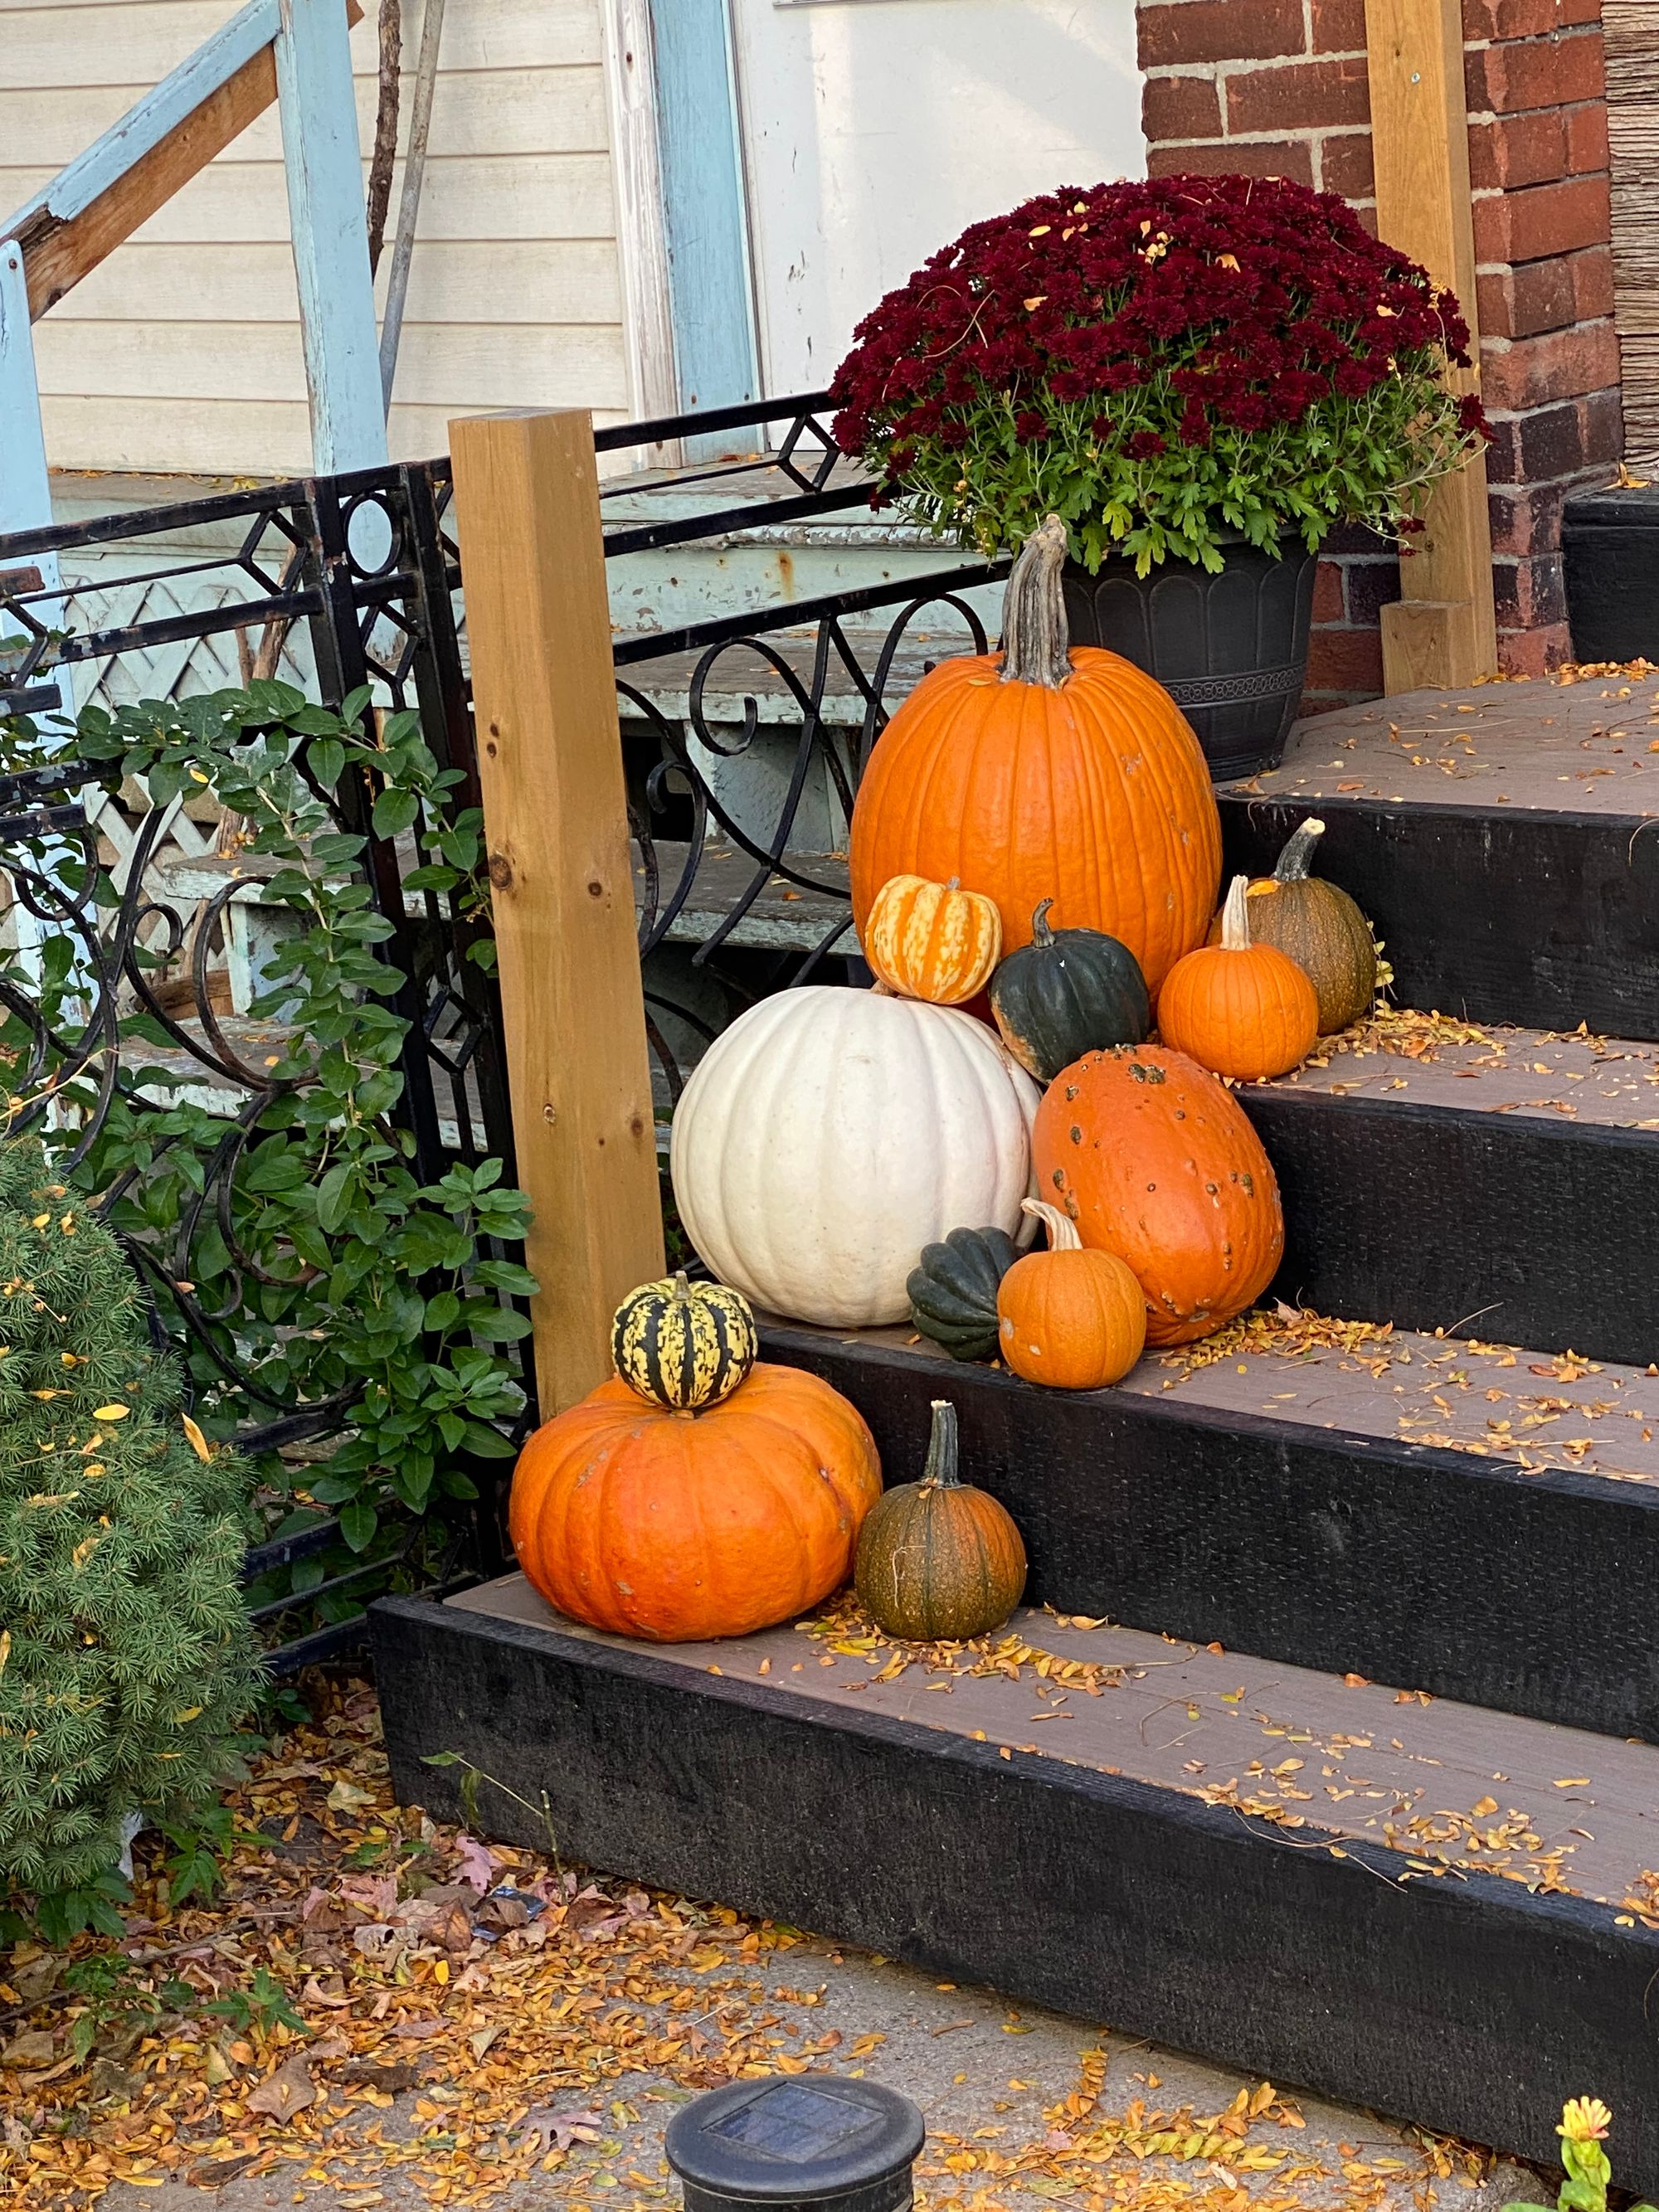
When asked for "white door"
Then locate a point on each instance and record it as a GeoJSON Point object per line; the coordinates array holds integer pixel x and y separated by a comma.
{"type": "Point", "coordinates": [874, 130]}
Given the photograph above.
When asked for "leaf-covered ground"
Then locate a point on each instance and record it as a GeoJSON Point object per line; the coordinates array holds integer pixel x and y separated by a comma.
{"type": "Point", "coordinates": [469, 2026]}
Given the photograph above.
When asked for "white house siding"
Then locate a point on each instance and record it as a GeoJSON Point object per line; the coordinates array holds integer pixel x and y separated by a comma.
{"type": "Point", "coordinates": [876, 129]}
{"type": "Point", "coordinates": [182, 352]}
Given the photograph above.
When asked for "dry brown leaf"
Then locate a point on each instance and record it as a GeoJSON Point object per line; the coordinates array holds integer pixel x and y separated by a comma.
{"type": "Point", "coordinates": [285, 2093]}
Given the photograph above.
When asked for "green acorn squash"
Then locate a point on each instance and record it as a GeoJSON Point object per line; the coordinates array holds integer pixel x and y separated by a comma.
{"type": "Point", "coordinates": [1068, 992]}
{"type": "Point", "coordinates": [953, 1291]}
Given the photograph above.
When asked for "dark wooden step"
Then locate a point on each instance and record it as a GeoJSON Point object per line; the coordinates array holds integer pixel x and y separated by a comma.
{"type": "Point", "coordinates": [1504, 840]}
{"type": "Point", "coordinates": [1354, 1506]}
{"type": "Point", "coordinates": [1502, 1183]}
{"type": "Point", "coordinates": [1437, 1912]}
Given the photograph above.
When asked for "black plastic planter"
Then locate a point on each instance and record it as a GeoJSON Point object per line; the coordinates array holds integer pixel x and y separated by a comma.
{"type": "Point", "coordinates": [1230, 649]}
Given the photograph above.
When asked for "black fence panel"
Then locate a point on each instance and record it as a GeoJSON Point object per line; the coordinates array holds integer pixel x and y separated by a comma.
{"type": "Point", "coordinates": [744, 733]}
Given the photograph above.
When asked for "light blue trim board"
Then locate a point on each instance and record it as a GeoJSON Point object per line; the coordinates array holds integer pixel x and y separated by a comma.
{"type": "Point", "coordinates": [25, 487]}
{"type": "Point", "coordinates": [323, 163]}
{"type": "Point", "coordinates": [705, 212]}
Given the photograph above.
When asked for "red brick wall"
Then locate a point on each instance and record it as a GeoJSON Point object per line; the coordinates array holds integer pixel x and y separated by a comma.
{"type": "Point", "coordinates": [1278, 88]}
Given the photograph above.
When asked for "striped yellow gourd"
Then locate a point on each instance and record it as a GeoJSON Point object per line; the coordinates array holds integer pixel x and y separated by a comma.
{"type": "Point", "coordinates": [934, 941]}
{"type": "Point", "coordinates": [685, 1345]}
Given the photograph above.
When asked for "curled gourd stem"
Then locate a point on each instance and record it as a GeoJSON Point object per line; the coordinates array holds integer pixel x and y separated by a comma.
{"type": "Point", "coordinates": [1035, 649]}
{"type": "Point", "coordinates": [1297, 858]}
{"type": "Point", "coordinates": [941, 1467]}
{"type": "Point", "coordinates": [1040, 934]}
{"type": "Point", "coordinates": [1234, 920]}
{"type": "Point", "coordinates": [1062, 1231]}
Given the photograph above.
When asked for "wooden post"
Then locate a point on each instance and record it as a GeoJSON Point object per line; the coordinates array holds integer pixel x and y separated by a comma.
{"type": "Point", "coordinates": [330, 230]}
{"type": "Point", "coordinates": [549, 762]}
{"type": "Point", "coordinates": [1442, 631]}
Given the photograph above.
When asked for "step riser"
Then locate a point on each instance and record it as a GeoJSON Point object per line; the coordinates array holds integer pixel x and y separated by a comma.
{"type": "Point", "coordinates": [1168, 1918]}
{"type": "Point", "coordinates": [1428, 1568]}
{"type": "Point", "coordinates": [1507, 1227]}
{"type": "Point", "coordinates": [1545, 921]}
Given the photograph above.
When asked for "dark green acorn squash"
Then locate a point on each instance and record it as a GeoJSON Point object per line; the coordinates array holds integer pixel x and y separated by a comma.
{"type": "Point", "coordinates": [953, 1291]}
{"type": "Point", "coordinates": [1068, 992]}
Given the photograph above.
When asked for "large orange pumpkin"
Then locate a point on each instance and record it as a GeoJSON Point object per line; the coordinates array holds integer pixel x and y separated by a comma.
{"type": "Point", "coordinates": [1045, 773]}
{"type": "Point", "coordinates": [680, 1526]}
{"type": "Point", "coordinates": [1154, 1160]}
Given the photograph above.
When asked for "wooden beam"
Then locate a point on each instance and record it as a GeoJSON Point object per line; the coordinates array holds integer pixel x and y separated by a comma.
{"type": "Point", "coordinates": [330, 230]}
{"type": "Point", "coordinates": [103, 195]}
{"type": "Point", "coordinates": [549, 762]}
{"type": "Point", "coordinates": [100, 198]}
{"type": "Point", "coordinates": [1444, 630]}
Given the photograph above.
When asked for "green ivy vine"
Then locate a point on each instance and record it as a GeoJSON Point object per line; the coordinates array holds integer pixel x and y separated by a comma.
{"type": "Point", "coordinates": [375, 1308]}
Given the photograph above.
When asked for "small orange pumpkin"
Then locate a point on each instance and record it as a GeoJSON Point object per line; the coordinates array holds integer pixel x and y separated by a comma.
{"type": "Point", "coordinates": [1239, 1008]}
{"type": "Point", "coordinates": [676, 1526]}
{"type": "Point", "coordinates": [933, 941]}
{"type": "Point", "coordinates": [1074, 1319]}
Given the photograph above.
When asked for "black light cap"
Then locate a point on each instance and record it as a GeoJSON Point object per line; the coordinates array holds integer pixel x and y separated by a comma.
{"type": "Point", "coordinates": [808, 2140]}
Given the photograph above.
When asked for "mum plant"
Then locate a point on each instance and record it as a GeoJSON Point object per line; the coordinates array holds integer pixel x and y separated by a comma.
{"type": "Point", "coordinates": [1163, 364]}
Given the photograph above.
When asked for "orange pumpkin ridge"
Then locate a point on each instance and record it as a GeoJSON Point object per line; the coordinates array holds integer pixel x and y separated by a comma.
{"type": "Point", "coordinates": [1091, 790]}
{"type": "Point", "coordinates": [1153, 1159]}
{"type": "Point", "coordinates": [673, 1527]}
{"type": "Point", "coordinates": [1240, 1009]}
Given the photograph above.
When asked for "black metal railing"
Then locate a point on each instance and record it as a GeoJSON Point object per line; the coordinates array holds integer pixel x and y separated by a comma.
{"type": "Point", "coordinates": [744, 733]}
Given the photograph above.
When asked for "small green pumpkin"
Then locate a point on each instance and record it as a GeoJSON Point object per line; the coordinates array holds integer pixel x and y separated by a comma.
{"type": "Point", "coordinates": [953, 1291]}
{"type": "Point", "coordinates": [938, 1559]}
{"type": "Point", "coordinates": [681, 1344]}
{"type": "Point", "coordinates": [1068, 992]}
{"type": "Point", "coordinates": [1320, 928]}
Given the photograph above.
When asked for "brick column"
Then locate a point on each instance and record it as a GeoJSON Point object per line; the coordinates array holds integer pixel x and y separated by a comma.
{"type": "Point", "coordinates": [1278, 88]}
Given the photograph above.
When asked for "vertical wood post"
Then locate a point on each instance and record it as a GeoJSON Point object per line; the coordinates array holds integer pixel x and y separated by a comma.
{"type": "Point", "coordinates": [1442, 631]}
{"type": "Point", "coordinates": [549, 762]}
{"type": "Point", "coordinates": [330, 228]}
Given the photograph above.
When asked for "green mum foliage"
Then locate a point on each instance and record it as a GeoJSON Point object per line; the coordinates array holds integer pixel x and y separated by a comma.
{"type": "Point", "coordinates": [126, 1659]}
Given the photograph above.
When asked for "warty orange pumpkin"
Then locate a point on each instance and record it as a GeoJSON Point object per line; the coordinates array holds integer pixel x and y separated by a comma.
{"type": "Point", "coordinates": [1043, 773]}
{"type": "Point", "coordinates": [1239, 1008]}
{"type": "Point", "coordinates": [676, 1526]}
{"type": "Point", "coordinates": [1153, 1159]}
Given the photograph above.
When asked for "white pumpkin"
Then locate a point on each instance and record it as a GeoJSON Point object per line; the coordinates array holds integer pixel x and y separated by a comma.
{"type": "Point", "coordinates": [829, 1134]}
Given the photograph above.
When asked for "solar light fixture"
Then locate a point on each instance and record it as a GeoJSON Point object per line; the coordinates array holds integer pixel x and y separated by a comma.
{"type": "Point", "coordinates": [800, 2142]}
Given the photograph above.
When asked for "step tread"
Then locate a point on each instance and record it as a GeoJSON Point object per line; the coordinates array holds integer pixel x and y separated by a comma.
{"type": "Point", "coordinates": [1536, 1412]}
{"type": "Point", "coordinates": [1335, 1761]}
{"type": "Point", "coordinates": [1581, 747]}
{"type": "Point", "coordinates": [1417, 1060]}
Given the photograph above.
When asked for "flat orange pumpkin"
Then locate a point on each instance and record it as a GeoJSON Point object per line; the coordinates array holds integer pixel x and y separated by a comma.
{"type": "Point", "coordinates": [676, 1527]}
{"type": "Point", "coordinates": [1154, 1160]}
{"type": "Point", "coordinates": [1044, 773]}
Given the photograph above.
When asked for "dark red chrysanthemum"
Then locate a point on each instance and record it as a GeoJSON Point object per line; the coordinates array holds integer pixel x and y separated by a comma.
{"type": "Point", "coordinates": [1254, 298]}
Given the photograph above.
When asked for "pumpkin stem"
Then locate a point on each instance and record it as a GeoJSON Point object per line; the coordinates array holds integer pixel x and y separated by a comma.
{"type": "Point", "coordinates": [1234, 920]}
{"type": "Point", "coordinates": [1062, 1229]}
{"type": "Point", "coordinates": [682, 1289]}
{"type": "Point", "coordinates": [1035, 649]}
{"type": "Point", "coordinates": [1041, 935]}
{"type": "Point", "coordinates": [1297, 858]}
{"type": "Point", "coordinates": [941, 1467]}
